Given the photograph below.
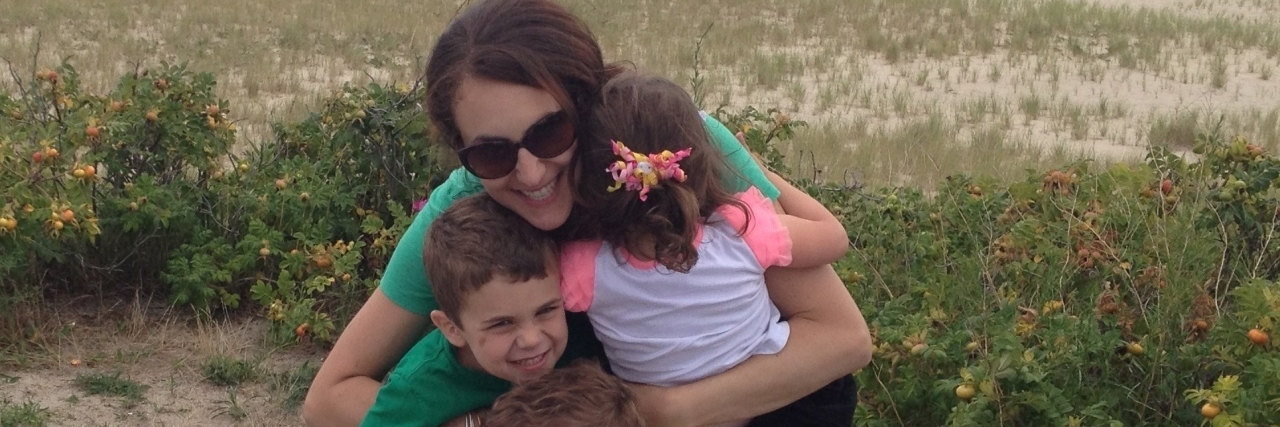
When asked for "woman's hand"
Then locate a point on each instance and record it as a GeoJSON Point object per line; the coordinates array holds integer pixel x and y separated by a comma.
{"type": "Point", "coordinates": [471, 419]}
{"type": "Point", "coordinates": [656, 406]}
{"type": "Point", "coordinates": [347, 383]}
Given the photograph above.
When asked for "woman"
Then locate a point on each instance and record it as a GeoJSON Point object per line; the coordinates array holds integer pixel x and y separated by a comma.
{"type": "Point", "coordinates": [509, 82]}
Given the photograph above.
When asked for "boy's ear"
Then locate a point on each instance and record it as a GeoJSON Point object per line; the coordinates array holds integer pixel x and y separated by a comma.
{"type": "Point", "coordinates": [451, 330]}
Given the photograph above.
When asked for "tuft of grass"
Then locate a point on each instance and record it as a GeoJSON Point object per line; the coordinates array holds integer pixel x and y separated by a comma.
{"type": "Point", "coordinates": [902, 102]}
{"type": "Point", "coordinates": [29, 414]}
{"type": "Point", "coordinates": [922, 76]}
{"type": "Point", "coordinates": [1218, 70]}
{"type": "Point", "coordinates": [112, 385]}
{"type": "Point", "coordinates": [977, 109]}
{"type": "Point", "coordinates": [233, 408]}
{"type": "Point", "coordinates": [1072, 117]}
{"type": "Point", "coordinates": [1031, 105]}
{"type": "Point", "coordinates": [294, 384]}
{"type": "Point", "coordinates": [1177, 131]}
{"type": "Point", "coordinates": [1269, 129]}
{"type": "Point", "coordinates": [226, 371]}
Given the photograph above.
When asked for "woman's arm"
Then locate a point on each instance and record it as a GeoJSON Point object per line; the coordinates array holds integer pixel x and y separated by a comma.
{"type": "Point", "coordinates": [829, 339]}
{"type": "Point", "coordinates": [390, 322]}
{"type": "Point", "coordinates": [821, 238]}
{"type": "Point", "coordinates": [348, 381]}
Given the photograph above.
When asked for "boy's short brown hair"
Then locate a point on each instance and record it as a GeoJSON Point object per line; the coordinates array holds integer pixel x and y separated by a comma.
{"type": "Point", "coordinates": [475, 239]}
{"type": "Point", "coordinates": [581, 395]}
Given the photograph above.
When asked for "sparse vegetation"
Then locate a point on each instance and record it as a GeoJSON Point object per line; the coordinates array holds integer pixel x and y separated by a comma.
{"type": "Point", "coordinates": [226, 371]}
{"type": "Point", "coordinates": [112, 384]}
{"type": "Point", "coordinates": [27, 414]}
{"type": "Point", "coordinates": [293, 384]}
{"type": "Point", "coordinates": [232, 405]}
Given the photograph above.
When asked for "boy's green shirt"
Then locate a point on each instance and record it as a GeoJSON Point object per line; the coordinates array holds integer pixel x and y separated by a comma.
{"type": "Point", "coordinates": [429, 387]}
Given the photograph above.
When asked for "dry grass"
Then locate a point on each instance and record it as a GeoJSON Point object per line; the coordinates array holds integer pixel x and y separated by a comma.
{"type": "Point", "coordinates": [1042, 76]}
{"type": "Point", "coordinates": [140, 363]}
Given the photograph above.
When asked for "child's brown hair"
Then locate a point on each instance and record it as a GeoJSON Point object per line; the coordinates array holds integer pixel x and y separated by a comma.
{"type": "Point", "coordinates": [580, 395]}
{"type": "Point", "coordinates": [475, 239]}
{"type": "Point", "coordinates": [650, 114]}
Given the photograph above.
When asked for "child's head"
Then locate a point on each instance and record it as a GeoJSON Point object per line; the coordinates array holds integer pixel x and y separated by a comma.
{"type": "Point", "coordinates": [578, 396]}
{"type": "Point", "coordinates": [497, 282]}
{"type": "Point", "coordinates": [650, 115]}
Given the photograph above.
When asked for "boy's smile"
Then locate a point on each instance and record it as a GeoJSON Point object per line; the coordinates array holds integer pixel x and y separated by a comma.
{"type": "Point", "coordinates": [512, 330]}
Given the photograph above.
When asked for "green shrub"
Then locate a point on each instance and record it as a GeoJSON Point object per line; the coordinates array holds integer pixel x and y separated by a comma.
{"type": "Point", "coordinates": [1075, 297]}
{"type": "Point", "coordinates": [145, 192]}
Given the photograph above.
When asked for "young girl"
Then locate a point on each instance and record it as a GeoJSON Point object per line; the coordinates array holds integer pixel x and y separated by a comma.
{"type": "Point", "coordinates": [670, 272]}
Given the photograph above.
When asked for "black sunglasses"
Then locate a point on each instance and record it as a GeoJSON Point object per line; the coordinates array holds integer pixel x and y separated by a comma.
{"type": "Point", "coordinates": [494, 157]}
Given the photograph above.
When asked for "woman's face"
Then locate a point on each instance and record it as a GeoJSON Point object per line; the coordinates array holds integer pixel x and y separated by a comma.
{"type": "Point", "coordinates": [537, 189]}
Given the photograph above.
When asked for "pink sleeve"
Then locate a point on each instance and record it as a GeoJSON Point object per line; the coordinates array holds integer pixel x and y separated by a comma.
{"type": "Point", "coordinates": [578, 274]}
{"type": "Point", "coordinates": [765, 235]}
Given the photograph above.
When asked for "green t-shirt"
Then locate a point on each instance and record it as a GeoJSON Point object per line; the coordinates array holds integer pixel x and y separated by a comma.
{"type": "Point", "coordinates": [429, 387]}
{"type": "Point", "coordinates": [405, 280]}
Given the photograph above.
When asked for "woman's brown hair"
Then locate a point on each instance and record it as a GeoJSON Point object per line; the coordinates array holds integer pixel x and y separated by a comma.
{"type": "Point", "coordinates": [535, 43]}
{"type": "Point", "coordinates": [650, 114]}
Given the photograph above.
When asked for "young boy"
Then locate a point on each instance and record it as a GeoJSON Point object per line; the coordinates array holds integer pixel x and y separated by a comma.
{"type": "Point", "coordinates": [501, 320]}
{"type": "Point", "coordinates": [581, 395]}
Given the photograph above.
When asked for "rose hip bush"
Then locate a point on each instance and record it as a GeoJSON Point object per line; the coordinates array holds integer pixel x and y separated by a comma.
{"type": "Point", "coordinates": [142, 189]}
{"type": "Point", "coordinates": [1084, 296]}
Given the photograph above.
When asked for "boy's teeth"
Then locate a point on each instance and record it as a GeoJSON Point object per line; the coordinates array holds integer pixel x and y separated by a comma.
{"type": "Point", "coordinates": [542, 193]}
{"type": "Point", "coordinates": [530, 361]}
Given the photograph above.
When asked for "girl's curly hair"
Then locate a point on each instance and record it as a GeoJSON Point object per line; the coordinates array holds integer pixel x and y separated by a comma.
{"type": "Point", "coordinates": [649, 114]}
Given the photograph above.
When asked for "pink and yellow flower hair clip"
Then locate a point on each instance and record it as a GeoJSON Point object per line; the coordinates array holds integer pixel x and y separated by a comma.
{"type": "Point", "coordinates": [641, 172]}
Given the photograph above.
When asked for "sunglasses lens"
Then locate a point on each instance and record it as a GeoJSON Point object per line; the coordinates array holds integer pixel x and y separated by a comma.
{"type": "Point", "coordinates": [495, 159]}
{"type": "Point", "coordinates": [551, 139]}
{"type": "Point", "coordinates": [490, 160]}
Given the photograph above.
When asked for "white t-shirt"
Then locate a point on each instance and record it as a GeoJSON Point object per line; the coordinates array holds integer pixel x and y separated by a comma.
{"type": "Point", "coordinates": [668, 328]}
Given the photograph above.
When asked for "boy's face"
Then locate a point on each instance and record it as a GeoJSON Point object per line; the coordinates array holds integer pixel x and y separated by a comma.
{"type": "Point", "coordinates": [512, 330]}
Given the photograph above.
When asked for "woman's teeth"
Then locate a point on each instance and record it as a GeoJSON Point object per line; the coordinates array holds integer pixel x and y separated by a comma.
{"type": "Point", "coordinates": [541, 194]}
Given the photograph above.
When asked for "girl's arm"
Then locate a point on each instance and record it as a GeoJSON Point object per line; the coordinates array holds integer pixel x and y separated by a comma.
{"type": "Point", "coordinates": [829, 339]}
{"type": "Point", "coordinates": [347, 383]}
{"type": "Point", "coordinates": [819, 237]}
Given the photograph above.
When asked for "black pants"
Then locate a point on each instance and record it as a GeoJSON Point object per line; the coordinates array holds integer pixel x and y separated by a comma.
{"type": "Point", "coordinates": [830, 406]}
